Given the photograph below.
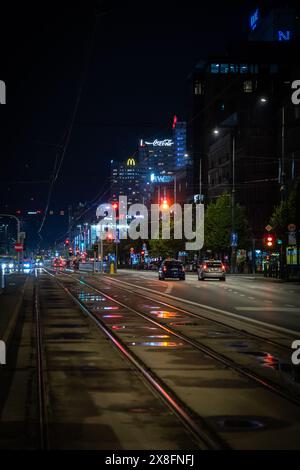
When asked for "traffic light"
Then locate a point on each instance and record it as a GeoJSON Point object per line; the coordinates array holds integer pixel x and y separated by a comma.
{"type": "Point", "coordinates": [142, 252]}
{"type": "Point", "coordinates": [165, 204]}
{"type": "Point", "coordinates": [270, 241]}
{"type": "Point", "coordinates": [67, 242]}
{"type": "Point", "coordinates": [115, 205]}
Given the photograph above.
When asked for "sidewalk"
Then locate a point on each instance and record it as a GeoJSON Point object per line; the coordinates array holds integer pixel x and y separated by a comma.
{"type": "Point", "coordinates": [10, 302]}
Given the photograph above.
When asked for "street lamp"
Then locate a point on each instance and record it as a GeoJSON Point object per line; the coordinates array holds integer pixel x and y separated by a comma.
{"type": "Point", "coordinates": [264, 100]}
{"type": "Point", "coordinates": [233, 237]}
{"type": "Point", "coordinates": [281, 174]}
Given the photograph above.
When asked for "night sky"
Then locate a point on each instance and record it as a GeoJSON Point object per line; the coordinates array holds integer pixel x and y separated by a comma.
{"type": "Point", "coordinates": [133, 61]}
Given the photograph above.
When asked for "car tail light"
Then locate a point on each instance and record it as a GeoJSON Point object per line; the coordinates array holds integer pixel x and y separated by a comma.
{"type": "Point", "coordinates": [205, 266]}
{"type": "Point", "coordinates": [164, 268]}
{"type": "Point", "coordinates": [182, 267]}
{"type": "Point", "coordinates": [223, 267]}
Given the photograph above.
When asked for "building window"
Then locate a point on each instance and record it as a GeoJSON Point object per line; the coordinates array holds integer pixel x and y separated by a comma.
{"type": "Point", "coordinates": [243, 68]}
{"type": "Point", "coordinates": [247, 86]}
{"type": "Point", "coordinates": [224, 68]}
{"type": "Point", "coordinates": [253, 68]}
{"type": "Point", "coordinates": [233, 68]}
{"type": "Point", "coordinates": [199, 88]}
{"type": "Point", "coordinates": [215, 68]}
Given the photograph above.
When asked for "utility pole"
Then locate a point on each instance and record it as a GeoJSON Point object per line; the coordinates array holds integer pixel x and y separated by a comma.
{"type": "Point", "coordinates": [233, 248]}
{"type": "Point", "coordinates": [282, 178]}
{"type": "Point", "coordinates": [101, 253]}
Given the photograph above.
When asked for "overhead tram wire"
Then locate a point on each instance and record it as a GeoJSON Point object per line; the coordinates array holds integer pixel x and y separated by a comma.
{"type": "Point", "coordinates": [92, 203]}
{"type": "Point", "coordinates": [68, 132]}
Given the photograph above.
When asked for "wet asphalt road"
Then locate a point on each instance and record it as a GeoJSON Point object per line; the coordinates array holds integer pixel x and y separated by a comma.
{"type": "Point", "coordinates": [272, 302]}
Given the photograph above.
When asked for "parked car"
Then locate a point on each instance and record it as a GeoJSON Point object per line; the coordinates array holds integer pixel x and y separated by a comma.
{"type": "Point", "coordinates": [171, 269]}
{"type": "Point", "coordinates": [211, 269]}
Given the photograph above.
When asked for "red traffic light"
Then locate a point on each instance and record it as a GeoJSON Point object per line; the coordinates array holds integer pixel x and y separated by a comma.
{"type": "Point", "coordinates": [270, 241]}
{"type": "Point", "coordinates": [67, 242]}
{"type": "Point", "coordinates": [165, 204]}
{"type": "Point", "coordinates": [115, 205]}
{"type": "Point", "coordinates": [142, 252]}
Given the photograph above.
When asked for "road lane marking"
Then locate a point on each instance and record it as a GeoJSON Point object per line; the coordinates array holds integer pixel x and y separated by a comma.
{"type": "Point", "coordinates": [169, 289]}
{"type": "Point", "coordinates": [269, 309]}
{"type": "Point", "coordinates": [214, 309]}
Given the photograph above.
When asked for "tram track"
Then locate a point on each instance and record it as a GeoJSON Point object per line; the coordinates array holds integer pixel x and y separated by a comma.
{"type": "Point", "coordinates": [202, 434]}
{"type": "Point", "coordinates": [249, 375]}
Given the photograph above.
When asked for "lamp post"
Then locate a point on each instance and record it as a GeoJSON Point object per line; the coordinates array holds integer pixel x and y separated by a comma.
{"type": "Point", "coordinates": [233, 237]}
{"type": "Point", "coordinates": [264, 100]}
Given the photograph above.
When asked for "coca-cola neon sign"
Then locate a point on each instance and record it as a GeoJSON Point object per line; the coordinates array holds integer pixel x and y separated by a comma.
{"type": "Point", "coordinates": [161, 143]}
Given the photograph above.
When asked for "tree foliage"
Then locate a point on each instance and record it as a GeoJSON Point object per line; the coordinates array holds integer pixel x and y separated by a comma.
{"type": "Point", "coordinates": [166, 248]}
{"type": "Point", "coordinates": [287, 212]}
{"type": "Point", "coordinates": [218, 225]}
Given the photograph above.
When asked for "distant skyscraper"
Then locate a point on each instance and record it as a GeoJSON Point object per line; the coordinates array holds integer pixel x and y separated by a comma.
{"type": "Point", "coordinates": [181, 158]}
{"type": "Point", "coordinates": [157, 156]}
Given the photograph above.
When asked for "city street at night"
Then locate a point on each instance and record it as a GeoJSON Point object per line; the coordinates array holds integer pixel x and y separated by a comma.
{"type": "Point", "coordinates": [150, 233]}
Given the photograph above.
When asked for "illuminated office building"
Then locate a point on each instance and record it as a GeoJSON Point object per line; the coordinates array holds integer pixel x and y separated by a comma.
{"type": "Point", "coordinates": [126, 180]}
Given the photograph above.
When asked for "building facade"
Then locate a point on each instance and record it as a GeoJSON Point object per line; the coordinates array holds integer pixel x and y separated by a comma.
{"type": "Point", "coordinates": [126, 180]}
{"type": "Point", "coordinates": [246, 130]}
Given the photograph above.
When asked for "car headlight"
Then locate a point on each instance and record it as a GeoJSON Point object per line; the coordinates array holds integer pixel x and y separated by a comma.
{"type": "Point", "coordinates": [26, 265]}
{"type": "Point", "coordinates": [3, 265]}
{"type": "Point", "coordinates": [10, 265]}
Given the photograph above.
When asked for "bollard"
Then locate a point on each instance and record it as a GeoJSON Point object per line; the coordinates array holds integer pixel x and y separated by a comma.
{"type": "Point", "coordinates": [112, 268]}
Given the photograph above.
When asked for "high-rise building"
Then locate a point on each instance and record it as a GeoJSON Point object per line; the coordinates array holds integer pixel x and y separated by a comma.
{"type": "Point", "coordinates": [157, 155]}
{"type": "Point", "coordinates": [181, 157]}
{"type": "Point", "coordinates": [126, 180]}
{"type": "Point", "coordinates": [245, 128]}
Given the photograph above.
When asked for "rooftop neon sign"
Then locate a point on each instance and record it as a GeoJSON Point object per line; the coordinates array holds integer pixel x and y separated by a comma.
{"type": "Point", "coordinates": [161, 143]}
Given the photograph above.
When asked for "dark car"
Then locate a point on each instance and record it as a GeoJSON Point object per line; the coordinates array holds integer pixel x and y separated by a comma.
{"type": "Point", "coordinates": [211, 269]}
{"type": "Point", "coordinates": [171, 269]}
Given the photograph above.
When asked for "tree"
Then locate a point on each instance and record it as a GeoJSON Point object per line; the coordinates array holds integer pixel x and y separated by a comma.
{"type": "Point", "coordinates": [287, 212]}
{"type": "Point", "coordinates": [218, 225]}
{"type": "Point", "coordinates": [166, 248]}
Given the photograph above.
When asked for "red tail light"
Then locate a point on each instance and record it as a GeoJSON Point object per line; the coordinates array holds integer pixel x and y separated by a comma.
{"type": "Point", "coordinates": [164, 268]}
{"type": "Point", "coordinates": [223, 267]}
{"type": "Point", "coordinates": [205, 266]}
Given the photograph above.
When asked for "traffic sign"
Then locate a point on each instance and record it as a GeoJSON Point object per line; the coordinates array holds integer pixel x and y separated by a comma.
{"type": "Point", "coordinates": [234, 239]}
{"type": "Point", "coordinates": [268, 228]}
{"type": "Point", "coordinates": [292, 239]}
{"type": "Point", "coordinates": [291, 227]}
{"type": "Point", "coordinates": [19, 246]}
